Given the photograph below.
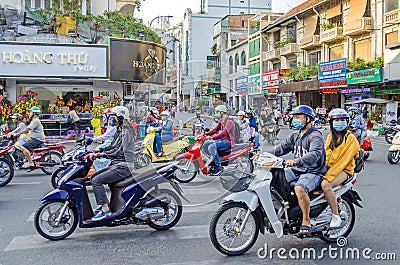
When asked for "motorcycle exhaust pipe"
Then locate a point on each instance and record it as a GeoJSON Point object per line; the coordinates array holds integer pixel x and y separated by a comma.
{"type": "Point", "coordinates": [153, 213]}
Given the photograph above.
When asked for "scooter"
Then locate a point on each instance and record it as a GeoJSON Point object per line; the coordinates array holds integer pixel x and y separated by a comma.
{"type": "Point", "coordinates": [169, 149]}
{"type": "Point", "coordinates": [236, 160]}
{"type": "Point", "coordinates": [367, 147]}
{"type": "Point", "coordinates": [134, 200]}
{"type": "Point", "coordinates": [269, 204]}
{"type": "Point", "coordinates": [393, 156]}
{"type": "Point", "coordinates": [390, 131]}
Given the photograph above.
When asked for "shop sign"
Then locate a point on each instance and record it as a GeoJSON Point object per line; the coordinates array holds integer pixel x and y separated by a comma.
{"type": "Point", "coordinates": [285, 72]}
{"type": "Point", "coordinates": [242, 87]}
{"type": "Point", "coordinates": [97, 98]}
{"type": "Point", "coordinates": [371, 75]}
{"type": "Point", "coordinates": [255, 84]}
{"type": "Point", "coordinates": [332, 74]}
{"type": "Point", "coordinates": [355, 90]}
{"type": "Point", "coordinates": [270, 81]}
{"type": "Point", "coordinates": [44, 60]}
{"type": "Point", "coordinates": [137, 61]}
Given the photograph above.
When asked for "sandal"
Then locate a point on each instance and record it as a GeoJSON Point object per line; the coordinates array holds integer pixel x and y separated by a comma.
{"type": "Point", "coordinates": [305, 231]}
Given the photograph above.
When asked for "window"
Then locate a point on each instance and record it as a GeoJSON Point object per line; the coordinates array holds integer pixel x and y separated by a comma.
{"type": "Point", "coordinates": [336, 20]}
{"type": "Point", "coordinates": [233, 42]}
{"type": "Point", "coordinates": [244, 24]}
{"type": "Point", "coordinates": [367, 12]}
{"type": "Point", "coordinates": [254, 48]}
{"type": "Point", "coordinates": [236, 61]}
{"type": "Point", "coordinates": [242, 13]}
{"type": "Point", "coordinates": [37, 4]}
{"type": "Point", "coordinates": [255, 69]}
{"type": "Point", "coordinates": [230, 85]}
{"type": "Point", "coordinates": [392, 38]}
{"type": "Point", "coordinates": [47, 3]}
{"type": "Point", "coordinates": [391, 5]}
{"type": "Point", "coordinates": [230, 65]}
{"type": "Point", "coordinates": [336, 53]}
{"type": "Point", "coordinates": [276, 66]}
{"type": "Point", "coordinates": [243, 58]}
{"type": "Point", "coordinates": [242, 1]}
{"type": "Point", "coordinates": [314, 58]}
{"type": "Point", "coordinates": [291, 33]}
{"type": "Point", "coordinates": [28, 3]}
{"type": "Point", "coordinates": [292, 64]}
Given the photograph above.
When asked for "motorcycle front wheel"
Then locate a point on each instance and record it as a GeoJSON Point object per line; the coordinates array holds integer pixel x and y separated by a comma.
{"type": "Point", "coordinates": [393, 157]}
{"type": "Point", "coordinates": [224, 229]}
{"type": "Point", "coordinates": [187, 170]}
{"type": "Point", "coordinates": [46, 216]}
{"type": "Point", "coordinates": [49, 161]}
{"type": "Point", "coordinates": [172, 212]}
{"type": "Point", "coordinates": [5, 177]}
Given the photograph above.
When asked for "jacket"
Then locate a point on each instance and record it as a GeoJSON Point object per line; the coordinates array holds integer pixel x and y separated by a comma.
{"type": "Point", "coordinates": [227, 131]}
{"type": "Point", "coordinates": [308, 150]}
{"type": "Point", "coordinates": [341, 158]}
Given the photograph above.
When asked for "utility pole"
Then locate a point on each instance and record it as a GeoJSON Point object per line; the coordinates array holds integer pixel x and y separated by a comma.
{"type": "Point", "coordinates": [178, 76]}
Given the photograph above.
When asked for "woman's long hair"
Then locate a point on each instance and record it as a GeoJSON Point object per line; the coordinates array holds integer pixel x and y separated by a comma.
{"type": "Point", "coordinates": [337, 137]}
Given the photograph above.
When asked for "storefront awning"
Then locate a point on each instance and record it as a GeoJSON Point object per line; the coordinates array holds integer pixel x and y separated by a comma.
{"type": "Point", "coordinates": [333, 12]}
{"type": "Point", "coordinates": [356, 12]}
{"type": "Point", "coordinates": [310, 27]}
{"type": "Point", "coordinates": [368, 101]}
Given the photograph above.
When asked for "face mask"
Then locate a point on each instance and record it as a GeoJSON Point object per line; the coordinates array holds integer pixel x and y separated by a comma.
{"type": "Point", "coordinates": [218, 116]}
{"type": "Point", "coordinates": [112, 121]}
{"type": "Point", "coordinates": [297, 124]}
{"type": "Point", "coordinates": [339, 125]}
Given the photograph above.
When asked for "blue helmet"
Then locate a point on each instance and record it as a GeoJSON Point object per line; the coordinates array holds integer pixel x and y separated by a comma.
{"type": "Point", "coordinates": [304, 109]}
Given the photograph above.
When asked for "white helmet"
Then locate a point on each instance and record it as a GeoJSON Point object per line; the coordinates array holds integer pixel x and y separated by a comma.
{"type": "Point", "coordinates": [165, 113]}
{"type": "Point", "coordinates": [241, 113]}
{"type": "Point", "coordinates": [120, 111]}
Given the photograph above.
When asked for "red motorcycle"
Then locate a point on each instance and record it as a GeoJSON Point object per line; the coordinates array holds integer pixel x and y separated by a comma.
{"type": "Point", "coordinates": [47, 158]}
{"type": "Point", "coordinates": [234, 160]}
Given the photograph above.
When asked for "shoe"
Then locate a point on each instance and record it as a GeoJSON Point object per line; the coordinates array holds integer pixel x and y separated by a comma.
{"type": "Point", "coordinates": [101, 215]}
{"type": "Point", "coordinates": [218, 171]}
{"type": "Point", "coordinates": [27, 165]}
{"type": "Point", "coordinates": [98, 209]}
{"type": "Point", "coordinates": [6, 171]}
{"type": "Point", "coordinates": [336, 221]}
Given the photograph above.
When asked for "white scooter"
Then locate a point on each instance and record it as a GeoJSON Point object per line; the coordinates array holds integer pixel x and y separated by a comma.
{"type": "Point", "coordinates": [269, 204]}
{"type": "Point", "coordinates": [394, 150]}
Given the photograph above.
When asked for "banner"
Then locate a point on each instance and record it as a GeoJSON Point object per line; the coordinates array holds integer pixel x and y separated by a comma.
{"type": "Point", "coordinates": [371, 75]}
{"type": "Point", "coordinates": [255, 84]}
{"type": "Point", "coordinates": [270, 81]}
{"type": "Point", "coordinates": [242, 87]}
{"type": "Point", "coordinates": [332, 74]}
{"type": "Point", "coordinates": [137, 61]}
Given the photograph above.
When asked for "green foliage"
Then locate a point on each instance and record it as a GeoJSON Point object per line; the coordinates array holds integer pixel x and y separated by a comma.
{"type": "Point", "coordinates": [280, 44]}
{"type": "Point", "coordinates": [201, 103]}
{"type": "Point", "coordinates": [326, 26]}
{"type": "Point", "coordinates": [303, 72]}
{"type": "Point", "coordinates": [214, 49]}
{"type": "Point", "coordinates": [360, 64]}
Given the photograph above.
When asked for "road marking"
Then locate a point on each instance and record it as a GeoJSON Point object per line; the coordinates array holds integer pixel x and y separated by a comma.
{"type": "Point", "coordinates": [31, 217]}
{"type": "Point", "coordinates": [24, 183]}
{"type": "Point", "coordinates": [180, 232]}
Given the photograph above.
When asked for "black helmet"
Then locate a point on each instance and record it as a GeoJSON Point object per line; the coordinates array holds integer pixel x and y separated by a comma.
{"type": "Point", "coordinates": [303, 109]}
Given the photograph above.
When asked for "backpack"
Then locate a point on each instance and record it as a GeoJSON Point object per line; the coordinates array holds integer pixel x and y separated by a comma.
{"type": "Point", "coordinates": [359, 161]}
{"type": "Point", "coordinates": [237, 131]}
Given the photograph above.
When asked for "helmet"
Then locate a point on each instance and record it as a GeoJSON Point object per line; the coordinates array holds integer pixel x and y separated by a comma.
{"type": "Point", "coordinates": [16, 116]}
{"type": "Point", "coordinates": [35, 110]}
{"type": "Point", "coordinates": [241, 113]}
{"type": "Point", "coordinates": [249, 112]}
{"type": "Point", "coordinates": [304, 109]}
{"type": "Point", "coordinates": [338, 114]}
{"type": "Point", "coordinates": [221, 108]}
{"type": "Point", "coordinates": [164, 113]}
{"type": "Point", "coordinates": [120, 111]}
{"type": "Point", "coordinates": [352, 109]}
{"type": "Point", "coordinates": [106, 111]}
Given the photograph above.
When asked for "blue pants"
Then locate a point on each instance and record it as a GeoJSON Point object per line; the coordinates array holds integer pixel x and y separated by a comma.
{"type": "Point", "coordinates": [256, 140]}
{"type": "Point", "coordinates": [216, 146]}
{"type": "Point", "coordinates": [158, 140]}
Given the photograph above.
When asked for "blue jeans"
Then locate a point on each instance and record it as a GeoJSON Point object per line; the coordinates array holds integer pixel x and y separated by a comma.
{"type": "Point", "coordinates": [159, 140]}
{"type": "Point", "coordinates": [216, 146]}
{"type": "Point", "coordinates": [256, 140]}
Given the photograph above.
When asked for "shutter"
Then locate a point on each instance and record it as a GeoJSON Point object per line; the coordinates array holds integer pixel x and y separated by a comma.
{"type": "Point", "coordinates": [310, 27]}
{"type": "Point", "coordinates": [363, 49]}
{"type": "Point", "coordinates": [356, 13]}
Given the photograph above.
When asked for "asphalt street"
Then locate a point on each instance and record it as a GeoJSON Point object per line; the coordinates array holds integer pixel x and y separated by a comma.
{"type": "Point", "coordinates": [189, 243]}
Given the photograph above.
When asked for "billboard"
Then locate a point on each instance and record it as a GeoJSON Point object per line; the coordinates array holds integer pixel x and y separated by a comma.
{"type": "Point", "coordinates": [332, 74]}
{"type": "Point", "coordinates": [242, 87]}
{"type": "Point", "coordinates": [254, 84]}
{"type": "Point", "coordinates": [270, 81]}
{"type": "Point", "coordinates": [371, 75]}
{"type": "Point", "coordinates": [137, 61]}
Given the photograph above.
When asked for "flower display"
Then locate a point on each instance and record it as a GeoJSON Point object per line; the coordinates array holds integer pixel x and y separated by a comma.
{"type": "Point", "coordinates": [97, 109]}
{"type": "Point", "coordinates": [23, 106]}
{"type": "Point", "coordinates": [58, 100]}
{"type": "Point", "coordinates": [5, 110]}
{"type": "Point", "coordinates": [52, 109]}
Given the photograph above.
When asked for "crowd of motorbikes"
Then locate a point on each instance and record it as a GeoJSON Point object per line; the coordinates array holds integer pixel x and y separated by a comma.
{"type": "Point", "coordinates": [260, 200]}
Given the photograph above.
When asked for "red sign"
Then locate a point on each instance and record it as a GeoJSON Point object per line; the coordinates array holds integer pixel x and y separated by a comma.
{"type": "Point", "coordinates": [334, 83]}
{"type": "Point", "coordinates": [97, 98]}
{"type": "Point", "coordinates": [270, 79]}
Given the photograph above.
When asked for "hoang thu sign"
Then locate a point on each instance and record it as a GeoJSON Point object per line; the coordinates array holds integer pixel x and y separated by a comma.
{"type": "Point", "coordinates": [371, 75]}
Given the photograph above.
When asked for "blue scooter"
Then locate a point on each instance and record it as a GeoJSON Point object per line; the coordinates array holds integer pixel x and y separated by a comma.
{"type": "Point", "coordinates": [134, 200]}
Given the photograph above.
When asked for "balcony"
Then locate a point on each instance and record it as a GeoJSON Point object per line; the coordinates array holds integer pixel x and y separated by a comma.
{"type": "Point", "coordinates": [365, 25]}
{"type": "Point", "coordinates": [289, 49]}
{"type": "Point", "coordinates": [315, 42]}
{"type": "Point", "coordinates": [332, 35]}
{"type": "Point", "coordinates": [392, 17]}
{"type": "Point", "coordinates": [274, 54]}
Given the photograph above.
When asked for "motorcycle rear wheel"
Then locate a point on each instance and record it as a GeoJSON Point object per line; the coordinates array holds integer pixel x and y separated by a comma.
{"type": "Point", "coordinates": [393, 157]}
{"type": "Point", "coordinates": [347, 207]}
{"type": "Point", "coordinates": [228, 226]}
{"type": "Point", "coordinates": [187, 170]}
{"type": "Point", "coordinates": [389, 138]}
{"type": "Point", "coordinates": [170, 221]}
{"type": "Point", "coordinates": [52, 157]}
{"type": "Point", "coordinates": [48, 212]}
{"type": "Point", "coordinates": [6, 165]}
{"type": "Point", "coordinates": [54, 177]}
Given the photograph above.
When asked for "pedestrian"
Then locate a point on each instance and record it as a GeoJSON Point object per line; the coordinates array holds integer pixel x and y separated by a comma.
{"type": "Point", "coordinates": [365, 112]}
{"type": "Point", "coordinates": [73, 120]}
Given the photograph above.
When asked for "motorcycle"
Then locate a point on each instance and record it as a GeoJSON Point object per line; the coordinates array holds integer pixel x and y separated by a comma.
{"type": "Point", "coordinates": [390, 131]}
{"type": "Point", "coordinates": [269, 133]}
{"type": "Point", "coordinates": [269, 204]}
{"type": "Point", "coordinates": [169, 149]}
{"type": "Point", "coordinates": [319, 121]}
{"type": "Point", "coordinates": [367, 147]}
{"type": "Point", "coordinates": [234, 160]}
{"type": "Point", "coordinates": [393, 156]}
{"type": "Point", "coordinates": [6, 167]}
{"type": "Point", "coordinates": [134, 200]}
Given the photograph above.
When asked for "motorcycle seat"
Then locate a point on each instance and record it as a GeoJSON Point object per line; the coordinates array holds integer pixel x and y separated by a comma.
{"type": "Point", "coordinates": [137, 175]}
{"type": "Point", "coordinates": [226, 152]}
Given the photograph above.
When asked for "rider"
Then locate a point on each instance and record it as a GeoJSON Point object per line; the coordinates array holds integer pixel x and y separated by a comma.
{"type": "Point", "coordinates": [199, 119]}
{"type": "Point", "coordinates": [17, 120]}
{"type": "Point", "coordinates": [220, 140]}
{"type": "Point", "coordinates": [36, 133]}
{"type": "Point", "coordinates": [357, 124]}
{"type": "Point", "coordinates": [341, 146]}
{"type": "Point", "coordinates": [121, 151]}
{"type": "Point", "coordinates": [267, 119]}
{"type": "Point", "coordinates": [244, 126]}
{"type": "Point", "coordinates": [308, 164]}
{"type": "Point", "coordinates": [253, 123]}
{"type": "Point", "coordinates": [167, 133]}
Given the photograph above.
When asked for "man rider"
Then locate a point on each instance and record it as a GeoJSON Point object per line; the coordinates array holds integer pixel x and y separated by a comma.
{"type": "Point", "coordinates": [308, 164]}
{"type": "Point", "coordinates": [199, 120]}
{"type": "Point", "coordinates": [19, 126]}
{"type": "Point", "coordinates": [167, 133]}
{"type": "Point", "coordinates": [222, 136]}
{"type": "Point", "coordinates": [36, 134]}
{"type": "Point", "coordinates": [267, 119]}
{"type": "Point", "coordinates": [357, 124]}
{"type": "Point", "coordinates": [253, 123]}
{"type": "Point", "coordinates": [121, 152]}
{"type": "Point", "coordinates": [244, 126]}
